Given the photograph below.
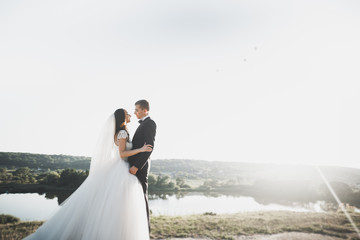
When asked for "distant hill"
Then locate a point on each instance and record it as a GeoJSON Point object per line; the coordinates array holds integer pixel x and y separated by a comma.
{"type": "Point", "coordinates": [238, 172]}
{"type": "Point", "coordinates": [12, 160]}
{"type": "Point", "coordinates": [250, 173]}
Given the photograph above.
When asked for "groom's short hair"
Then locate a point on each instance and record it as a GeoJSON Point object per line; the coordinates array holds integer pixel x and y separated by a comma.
{"type": "Point", "coordinates": [143, 104]}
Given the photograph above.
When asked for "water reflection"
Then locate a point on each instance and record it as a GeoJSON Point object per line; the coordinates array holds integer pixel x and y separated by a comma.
{"type": "Point", "coordinates": [32, 206]}
{"type": "Point", "coordinates": [216, 203]}
{"type": "Point", "coordinates": [28, 206]}
{"type": "Point", "coordinates": [61, 196]}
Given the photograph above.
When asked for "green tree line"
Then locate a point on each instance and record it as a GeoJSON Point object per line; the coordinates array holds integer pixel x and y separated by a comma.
{"type": "Point", "coordinates": [69, 177]}
{"type": "Point", "coordinates": [73, 178]}
{"type": "Point", "coordinates": [12, 160]}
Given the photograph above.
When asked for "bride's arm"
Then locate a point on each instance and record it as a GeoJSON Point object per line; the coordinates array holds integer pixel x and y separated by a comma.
{"type": "Point", "coordinates": [127, 153]}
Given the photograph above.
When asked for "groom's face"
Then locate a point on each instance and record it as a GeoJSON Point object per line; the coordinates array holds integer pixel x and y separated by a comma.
{"type": "Point", "coordinates": [139, 112]}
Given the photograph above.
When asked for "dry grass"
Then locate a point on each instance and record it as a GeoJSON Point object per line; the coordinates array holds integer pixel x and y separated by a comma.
{"type": "Point", "coordinates": [226, 226]}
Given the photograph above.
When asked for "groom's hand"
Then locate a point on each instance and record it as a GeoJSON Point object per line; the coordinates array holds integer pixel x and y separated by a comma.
{"type": "Point", "coordinates": [133, 170]}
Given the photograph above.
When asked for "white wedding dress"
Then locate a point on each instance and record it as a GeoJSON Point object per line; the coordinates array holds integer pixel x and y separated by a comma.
{"type": "Point", "coordinates": [108, 205]}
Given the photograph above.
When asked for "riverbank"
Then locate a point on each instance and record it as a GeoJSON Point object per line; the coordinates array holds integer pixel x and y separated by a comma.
{"type": "Point", "coordinates": [32, 188]}
{"type": "Point", "coordinates": [244, 226]}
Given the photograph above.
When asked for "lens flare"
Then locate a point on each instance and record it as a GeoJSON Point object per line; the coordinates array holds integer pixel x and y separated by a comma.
{"type": "Point", "coordinates": [337, 200]}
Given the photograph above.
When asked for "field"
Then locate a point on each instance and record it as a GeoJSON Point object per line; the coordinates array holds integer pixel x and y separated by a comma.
{"type": "Point", "coordinates": [230, 226]}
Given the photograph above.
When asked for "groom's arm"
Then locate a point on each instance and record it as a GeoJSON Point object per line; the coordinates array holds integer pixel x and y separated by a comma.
{"type": "Point", "coordinates": [149, 137]}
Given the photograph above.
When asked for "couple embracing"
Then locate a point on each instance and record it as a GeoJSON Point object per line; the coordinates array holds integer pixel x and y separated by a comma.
{"type": "Point", "coordinates": [112, 202]}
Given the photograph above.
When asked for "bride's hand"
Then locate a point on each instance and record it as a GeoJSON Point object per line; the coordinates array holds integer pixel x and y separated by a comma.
{"type": "Point", "coordinates": [146, 148]}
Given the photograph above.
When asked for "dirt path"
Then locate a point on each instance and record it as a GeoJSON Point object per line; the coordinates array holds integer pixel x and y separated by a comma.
{"type": "Point", "coordinates": [288, 236]}
{"type": "Point", "coordinates": [279, 236]}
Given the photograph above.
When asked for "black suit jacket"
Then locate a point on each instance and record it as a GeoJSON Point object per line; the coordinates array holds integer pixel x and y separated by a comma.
{"type": "Point", "coordinates": [145, 133]}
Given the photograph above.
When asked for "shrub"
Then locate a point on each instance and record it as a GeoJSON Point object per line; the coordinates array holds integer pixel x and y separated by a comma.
{"type": "Point", "coordinates": [5, 218]}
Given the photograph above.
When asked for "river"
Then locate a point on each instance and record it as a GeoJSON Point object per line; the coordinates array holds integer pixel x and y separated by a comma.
{"type": "Point", "coordinates": [33, 206]}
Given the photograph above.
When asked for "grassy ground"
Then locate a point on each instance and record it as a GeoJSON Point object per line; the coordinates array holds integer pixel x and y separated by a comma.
{"type": "Point", "coordinates": [231, 225]}
{"type": "Point", "coordinates": [227, 226]}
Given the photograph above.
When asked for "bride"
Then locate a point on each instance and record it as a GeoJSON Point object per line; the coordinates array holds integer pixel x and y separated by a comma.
{"type": "Point", "coordinates": [110, 203]}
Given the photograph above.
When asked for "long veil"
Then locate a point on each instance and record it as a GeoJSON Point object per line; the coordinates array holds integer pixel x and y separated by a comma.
{"type": "Point", "coordinates": [109, 204]}
{"type": "Point", "coordinates": [104, 155]}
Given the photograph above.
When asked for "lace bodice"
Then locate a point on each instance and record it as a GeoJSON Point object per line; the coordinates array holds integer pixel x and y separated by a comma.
{"type": "Point", "coordinates": [123, 134]}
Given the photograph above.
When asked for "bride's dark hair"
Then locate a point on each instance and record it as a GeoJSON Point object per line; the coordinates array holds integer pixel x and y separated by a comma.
{"type": "Point", "coordinates": [120, 123]}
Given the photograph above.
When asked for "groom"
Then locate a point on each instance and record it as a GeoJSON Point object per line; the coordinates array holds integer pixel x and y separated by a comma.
{"type": "Point", "coordinates": [145, 133]}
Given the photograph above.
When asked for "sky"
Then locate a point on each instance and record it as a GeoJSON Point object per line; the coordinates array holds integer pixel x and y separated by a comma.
{"type": "Point", "coordinates": [227, 80]}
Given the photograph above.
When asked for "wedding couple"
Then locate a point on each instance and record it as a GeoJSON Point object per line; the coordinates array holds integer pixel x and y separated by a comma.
{"type": "Point", "coordinates": [112, 203]}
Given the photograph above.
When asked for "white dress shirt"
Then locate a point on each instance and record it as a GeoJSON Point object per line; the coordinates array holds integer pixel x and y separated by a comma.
{"type": "Point", "coordinates": [144, 117]}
